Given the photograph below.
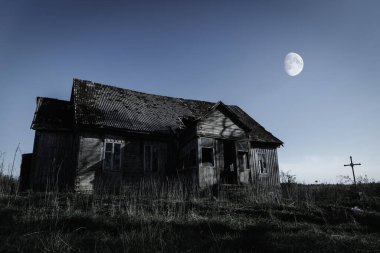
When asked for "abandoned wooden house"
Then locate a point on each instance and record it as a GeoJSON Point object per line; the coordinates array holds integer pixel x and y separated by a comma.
{"type": "Point", "coordinates": [106, 136]}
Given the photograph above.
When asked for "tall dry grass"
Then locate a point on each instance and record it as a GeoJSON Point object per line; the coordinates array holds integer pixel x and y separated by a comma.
{"type": "Point", "coordinates": [174, 216]}
{"type": "Point", "coordinates": [168, 216]}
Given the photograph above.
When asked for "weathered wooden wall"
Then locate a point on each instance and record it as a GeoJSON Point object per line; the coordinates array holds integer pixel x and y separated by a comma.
{"type": "Point", "coordinates": [53, 161]}
{"type": "Point", "coordinates": [90, 172]}
{"type": "Point", "coordinates": [89, 161]}
{"type": "Point", "coordinates": [218, 125]}
{"type": "Point", "coordinates": [208, 174]}
{"type": "Point", "coordinates": [56, 161]}
{"type": "Point", "coordinates": [246, 174]}
{"type": "Point", "coordinates": [271, 178]}
{"type": "Point", "coordinates": [186, 170]}
{"type": "Point", "coordinates": [134, 162]}
{"type": "Point", "coordinates": [133, 169]}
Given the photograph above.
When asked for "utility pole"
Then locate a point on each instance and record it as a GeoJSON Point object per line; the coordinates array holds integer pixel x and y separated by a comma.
{"type": "Point", "coordinates": [352, 167]}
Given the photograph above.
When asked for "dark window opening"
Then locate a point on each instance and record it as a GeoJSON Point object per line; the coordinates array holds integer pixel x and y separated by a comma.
{"type": "Point", "coordinates": [242, 146]}
{"type": "Point", "coordinates": [263, 164]}
{"type": "Point", "coordinates": [207, 156]}
{"type": "Point", "coordinates": [112, 156]}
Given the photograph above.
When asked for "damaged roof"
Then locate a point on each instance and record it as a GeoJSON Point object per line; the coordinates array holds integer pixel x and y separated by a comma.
{"type": "Point", "coordinates": [102, 106]}
{"type": "Point", "coordinates": [53, 114]}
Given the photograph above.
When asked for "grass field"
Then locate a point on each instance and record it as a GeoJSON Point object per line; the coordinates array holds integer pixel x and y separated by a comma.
{"type": "Point", "coordinates": [165, 218]}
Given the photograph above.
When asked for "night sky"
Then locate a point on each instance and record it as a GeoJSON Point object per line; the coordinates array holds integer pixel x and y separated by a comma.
{"type": "Point", "coordinates": [231, 51]}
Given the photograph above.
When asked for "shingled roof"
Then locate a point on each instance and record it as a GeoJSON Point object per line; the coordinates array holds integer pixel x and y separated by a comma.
{"type": "Point", "coordinates": [103, 106]}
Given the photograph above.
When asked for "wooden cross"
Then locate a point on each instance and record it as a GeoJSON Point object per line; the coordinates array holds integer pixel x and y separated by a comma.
{"type": "Point", "coordinates": [352, 166]}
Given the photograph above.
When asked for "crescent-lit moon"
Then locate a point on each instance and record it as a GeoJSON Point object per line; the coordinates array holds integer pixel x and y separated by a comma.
{"type": "Point", "coordinates": [293, 64]}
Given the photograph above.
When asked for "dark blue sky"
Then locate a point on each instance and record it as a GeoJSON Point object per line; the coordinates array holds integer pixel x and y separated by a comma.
{"type": "Point", "coordinates": [209, 50]}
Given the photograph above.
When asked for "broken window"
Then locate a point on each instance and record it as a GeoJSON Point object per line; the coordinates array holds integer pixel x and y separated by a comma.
{"type": "Point", "coordinates": [207, 156]}
{"type": "Point", "coordinates": [243, 149]}
{"type": "Point", "coordinates": [243, 161]}
{"type": "Point", "coordinates": [263, 163]}
{"type": "Point", "coordinates": [112, 155]}
{"type": "Point", "coordinates": [242, 146]}
{"type": "Point", "coordinates": [207, 151]}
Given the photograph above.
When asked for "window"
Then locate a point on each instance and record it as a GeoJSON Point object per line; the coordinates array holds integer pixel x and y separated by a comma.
{"type": "Point", "coordinates": [243, 161]}
{"type": "Point", "coordinates": [112, 155]}
{"type": "Point", "coordinates": [262, 163]}
{"type": "Point", "coordinates": [207, 145]}
{"type": "Point", "coordinates": [207, 156]}
{"type": "Point", "coordinates": [151, 158]}
{"type": "Point", "coordinates": [242, 146]}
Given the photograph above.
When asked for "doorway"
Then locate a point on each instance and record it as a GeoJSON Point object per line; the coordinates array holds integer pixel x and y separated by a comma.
{"type": "Point", "coordinates": [229, 173]}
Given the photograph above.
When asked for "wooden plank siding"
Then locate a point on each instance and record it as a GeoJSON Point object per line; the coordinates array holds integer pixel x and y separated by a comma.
{"type": "Point", "coordinates": [107, 138]}
{"type": "Point", "coordinates": [89, 161]}
{"type": "Point", "coordinates": [53, 161]}
{"type": "Point", "coordinates": [134, 169]}
{"type": "Point", "coordinates": [218, 125]}
{"type": "Point", "coordinates": [271, 178]}
{"type": "Point", "coordinates": [91, 175]}
{"type": "Point", "coordinates": [207, 175]}
{"type": "Point", "coordinates": [187, 169]}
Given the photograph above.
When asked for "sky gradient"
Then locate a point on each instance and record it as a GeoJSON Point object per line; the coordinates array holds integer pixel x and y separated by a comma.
{"type": "Point", "coordinates": [231, 51]}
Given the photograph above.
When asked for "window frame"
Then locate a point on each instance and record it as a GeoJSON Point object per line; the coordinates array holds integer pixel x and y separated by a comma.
{"type": "Point", "coordinates": [242, 148]}
{"type": "Point", "coordinates": [207, 143]}
{"type": "Point", "coordinates": [245, 156]}
{"type": "Point", "coordinates": [212, 156]}
{"type": "Point", "coordinates": [262, 160]}
{"type": "Point", "coordinates": [113, 142]}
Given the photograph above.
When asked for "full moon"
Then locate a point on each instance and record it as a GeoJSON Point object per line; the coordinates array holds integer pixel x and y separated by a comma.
{"type": "Point", "coordinates": [293, 64]}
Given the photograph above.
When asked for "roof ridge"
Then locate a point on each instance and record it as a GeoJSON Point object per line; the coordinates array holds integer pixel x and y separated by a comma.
{"type": "Point", "coordinates": [139, 92]}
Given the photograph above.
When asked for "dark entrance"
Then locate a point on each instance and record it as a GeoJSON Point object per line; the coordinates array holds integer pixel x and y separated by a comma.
{"type": "Point", "coordinates": [229, 174]}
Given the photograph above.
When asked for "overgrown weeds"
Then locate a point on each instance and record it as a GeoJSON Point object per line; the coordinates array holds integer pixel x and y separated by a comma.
{"type": "Point", "coordinates": [166, 217]}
